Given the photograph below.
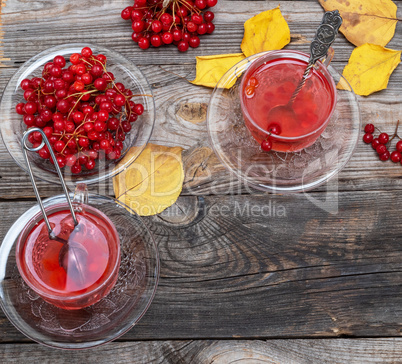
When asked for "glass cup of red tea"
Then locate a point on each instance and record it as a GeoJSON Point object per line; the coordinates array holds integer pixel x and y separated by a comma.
{"type": "Point", "coordinates": [270, 82]}
{"type": "Point", "coordinates": [77, 268]}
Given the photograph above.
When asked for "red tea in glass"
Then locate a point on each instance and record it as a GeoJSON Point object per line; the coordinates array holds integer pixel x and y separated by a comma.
{"type": "Point", "coordinates": [77, 268]}
{"type": "Point", "coordinates": [270, 82]}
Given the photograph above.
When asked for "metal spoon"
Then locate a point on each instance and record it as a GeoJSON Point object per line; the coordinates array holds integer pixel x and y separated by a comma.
{"type": "Point", "coordinates": [323, 39]}
{"type": "Point", "coordinates": [73, 255]}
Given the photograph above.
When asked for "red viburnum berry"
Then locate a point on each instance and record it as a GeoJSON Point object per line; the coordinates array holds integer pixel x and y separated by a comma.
{"type": "Point", "coordinates": [151, 28]}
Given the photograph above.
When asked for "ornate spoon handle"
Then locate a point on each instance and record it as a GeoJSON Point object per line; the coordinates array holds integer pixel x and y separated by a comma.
{"type": "Point", "coordinates": [323, 39]}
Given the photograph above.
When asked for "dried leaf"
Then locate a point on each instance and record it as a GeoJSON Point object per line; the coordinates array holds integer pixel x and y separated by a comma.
{"type": "Point", "coordinates": [365, 21]}
{"type": "Point", "coordinates": [266, 31]}
{"type": "Point", "coordinates": [210, 69]}
{"type": "Point", "coordinates": [370, 67]}
{"type": "Point", "coordinates": [153, 182]}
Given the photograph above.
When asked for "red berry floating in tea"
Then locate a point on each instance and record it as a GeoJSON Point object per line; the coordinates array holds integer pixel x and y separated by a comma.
{"type": "Point", "coordinates": [80, 107]}
{"type": "Point", "coordinates": [161, 22]}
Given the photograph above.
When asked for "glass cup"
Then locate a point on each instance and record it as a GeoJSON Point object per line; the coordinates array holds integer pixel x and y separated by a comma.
{"type": "Point", "coordinates": [77, 268]}
{"type": "Point", "coordinates": [106, 320]}
{"type": "Point", "coordinates": [269, 82]}
{"type": "Point", "coordinates": [233, 138]}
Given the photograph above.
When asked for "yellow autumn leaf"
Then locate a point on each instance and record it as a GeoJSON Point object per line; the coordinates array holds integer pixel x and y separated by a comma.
{"type": "Point", "coordinates": [266, 31]}
{"type": "Point", "coordinates": [210, 69]}
{"type": "Point", "coordinates": [365, 21]}
{"type": "Point", "coordinates": [153, 182]}
{"type": "Point", "coordinates": [370, 67]}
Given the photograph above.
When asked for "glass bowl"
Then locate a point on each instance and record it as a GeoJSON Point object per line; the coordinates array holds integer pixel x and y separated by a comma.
{"type": "Point", "coordinates": [106, 320]}
{"type": "Point", "coordinates": [12, 126]}
{"type": "Point", "coordinates": [280, 172]}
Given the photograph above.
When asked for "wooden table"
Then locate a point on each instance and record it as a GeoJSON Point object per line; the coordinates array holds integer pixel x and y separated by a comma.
{"type": "Point", "coordinates": [310, 287]}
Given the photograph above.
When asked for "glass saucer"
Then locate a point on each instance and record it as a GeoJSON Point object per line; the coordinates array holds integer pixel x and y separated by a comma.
{"type": "Point", "coordinates": [102, 322]}
{"type": "Point", "coordinates": [12, 126]}
{"type": "Point", "coordinates": [280, 172]}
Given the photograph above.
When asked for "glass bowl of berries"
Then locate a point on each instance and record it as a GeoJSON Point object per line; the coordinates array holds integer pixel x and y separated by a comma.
{"type": "Point", "coordinates": [93, 105]}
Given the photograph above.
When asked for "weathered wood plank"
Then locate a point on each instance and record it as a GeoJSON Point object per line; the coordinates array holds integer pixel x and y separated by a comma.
{"type": "Point", "coordinates": [300, 351]}
{"type": "Point", "coordinates": [24, 36]}
{"type": "Point", "coordinates": [235, 267]}
{"type": "Point", "coordinates": [271, 267]}
{"type": "Point", "coordinates": [369, 351]}
{"type": "Point", "coordinates": [101, 23]}
{"type": "Point", "coordinates": [364, 172]}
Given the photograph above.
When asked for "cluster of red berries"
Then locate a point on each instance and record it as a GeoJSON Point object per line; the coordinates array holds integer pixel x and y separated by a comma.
{"type": "Point", "coordinates": [379, 144]}
{"type": "Point", "coordinates": [178, 22]}
{"type": "Point", "coordinates": [84, 113]}
{"type": "Point", "coordinates": [266, 144]}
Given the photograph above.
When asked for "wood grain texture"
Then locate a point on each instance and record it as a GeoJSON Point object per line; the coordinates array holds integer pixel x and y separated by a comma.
{"type": "Point", "coordinates": [24, 35]}
{"type": "Point", "coordinates": [340, 351]}
{"type": "Point", "coordinates": [303, 268]}
{"type": "Point", "coordinates": [323, 264]}
{"type": "Point", "coordinates": [27, 29]}
{"type": "Point", "coordinates": [204, 173]}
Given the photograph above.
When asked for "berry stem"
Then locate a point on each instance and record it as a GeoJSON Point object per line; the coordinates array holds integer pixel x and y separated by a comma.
{"type": "Point", "coordinates": [189, 7]}
{"type": "Point", "coordinates": [396, 131]}
{"type": "Point", "coordinates": [78, 100]}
